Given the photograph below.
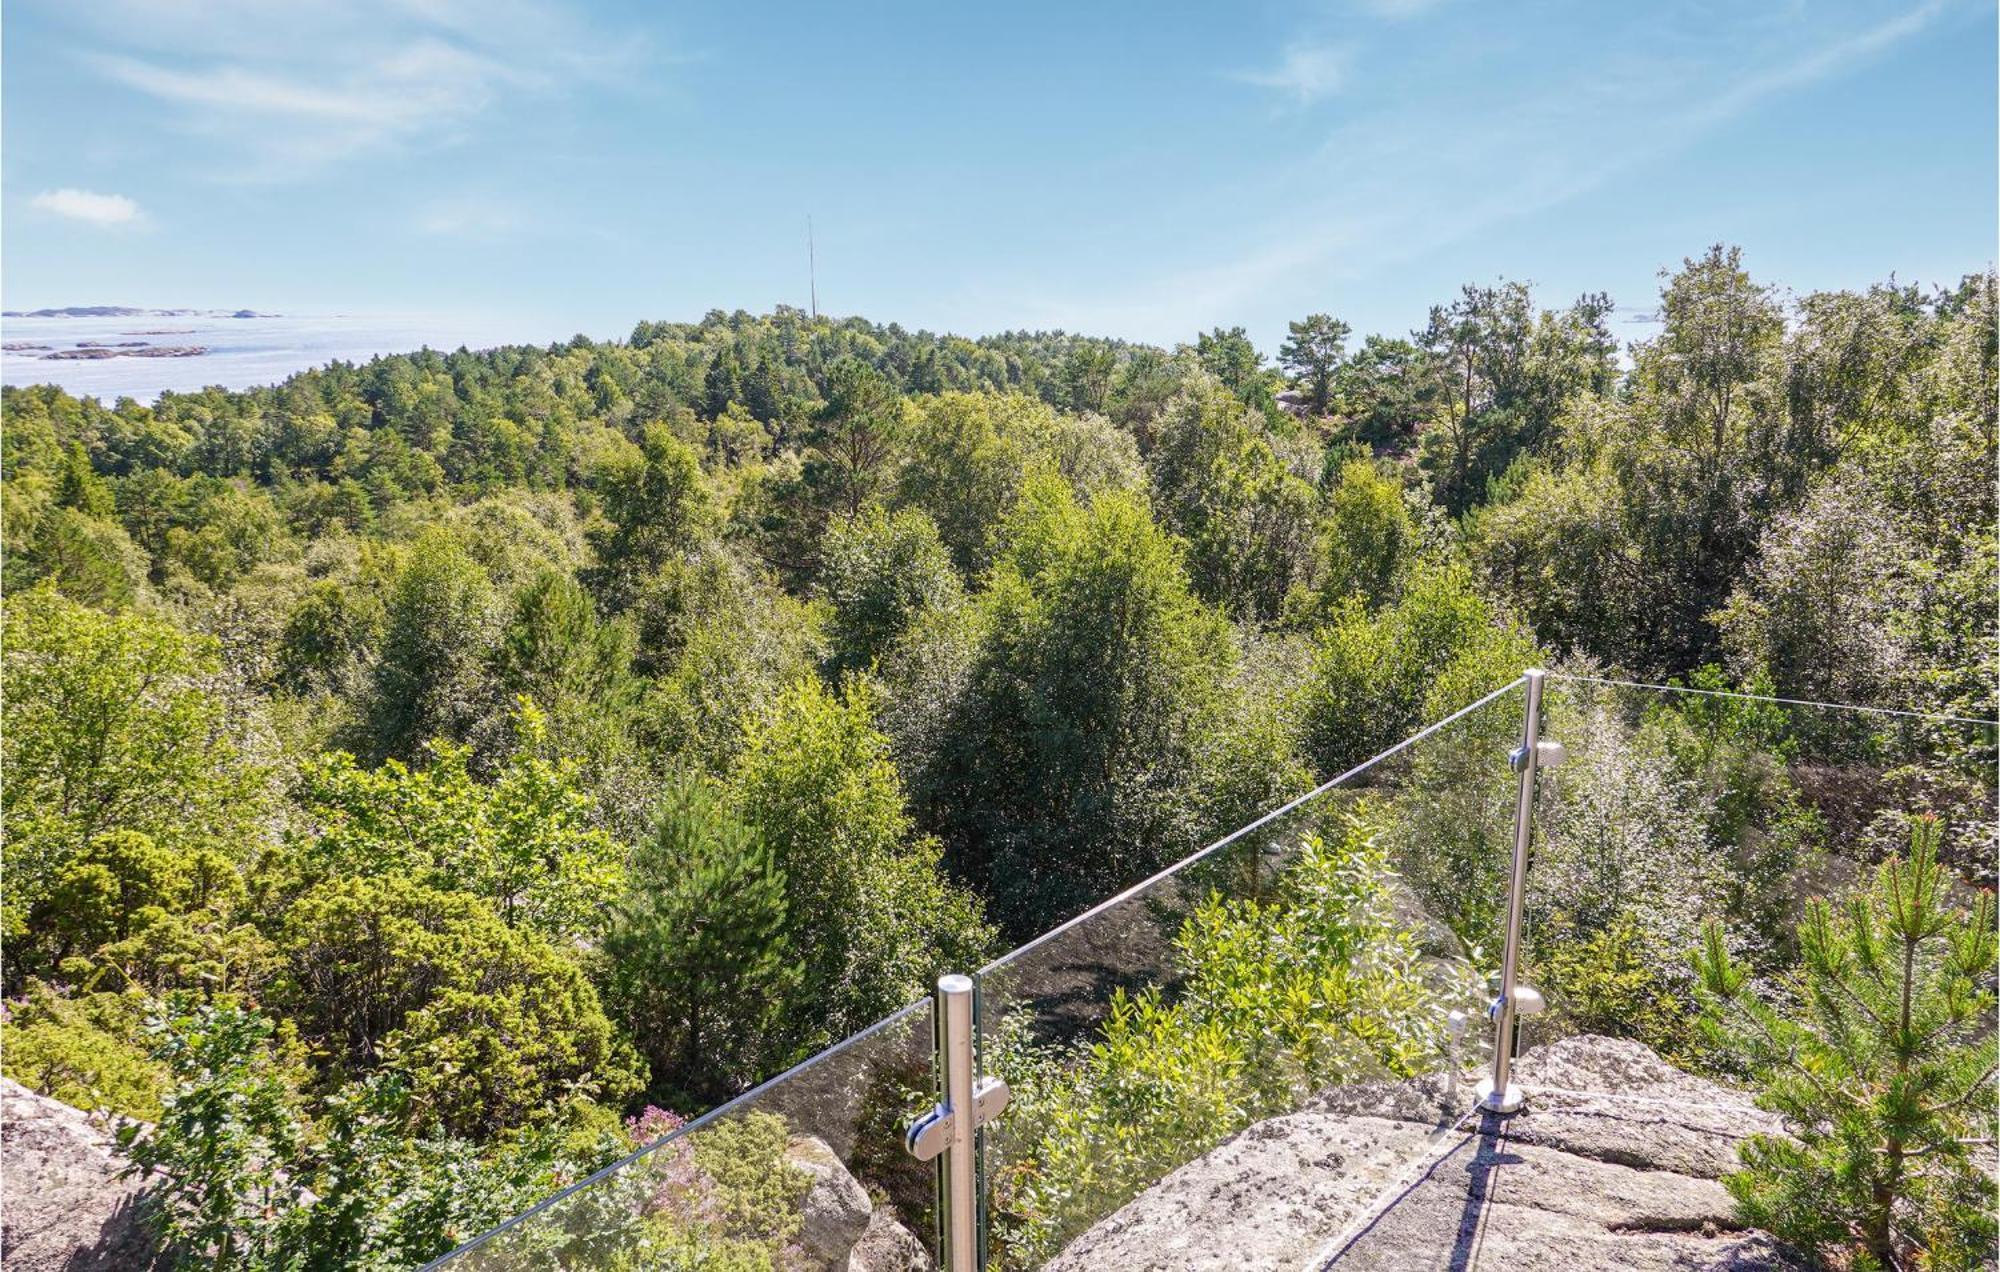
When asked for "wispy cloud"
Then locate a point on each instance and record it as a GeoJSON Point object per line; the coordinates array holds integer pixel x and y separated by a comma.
{"type": "Point", "coordinates": [331, 81]}
{"type": "Point", "coordinates": [90, 207]}
{"type": "Point", "coordinates": [475, 217]}
{"type": "Point", "coordinates": [322, 115]}
{"type": "Point", "coordinates": [1307, 72]}
{"type": "Point", "coordinates": [1401, 182]}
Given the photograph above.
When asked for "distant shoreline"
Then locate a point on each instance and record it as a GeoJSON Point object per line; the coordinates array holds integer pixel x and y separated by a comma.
{"type": "Point", "coordinates": [127, 311]}
{"type": "Point", "coordinates": [113, 356]}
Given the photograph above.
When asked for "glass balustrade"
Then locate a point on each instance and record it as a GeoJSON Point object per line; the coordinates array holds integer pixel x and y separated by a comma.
{"type": "Point", "coordinates": [801, 1171]}
{"type": "Point", "coordinates": [1320, 962]}
{"type": "Point", "coordinates": [1674, 808]}
{"type": "Point", "coordinates": [1334, 960]}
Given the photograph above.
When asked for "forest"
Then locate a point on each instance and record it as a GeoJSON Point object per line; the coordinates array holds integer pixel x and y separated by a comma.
{"type": "Point", "coordinates": [421, 777]}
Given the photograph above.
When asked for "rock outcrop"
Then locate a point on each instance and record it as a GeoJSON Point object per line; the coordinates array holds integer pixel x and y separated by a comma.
{"type": "Point", "coordinates": [1614, 1164]}
{"type": "Point", "coordinates": [836, 1209]}
{"type": "Point", "coordinates": [841, 1228]}
{"type": "Point", "coordinates": [888, 1246]}
{"type": "Point", "coordinates": [64, 1207]}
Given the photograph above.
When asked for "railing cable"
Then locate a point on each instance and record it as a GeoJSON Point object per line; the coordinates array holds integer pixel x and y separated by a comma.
{"type": "Point", "coordinates": [1761, 697]}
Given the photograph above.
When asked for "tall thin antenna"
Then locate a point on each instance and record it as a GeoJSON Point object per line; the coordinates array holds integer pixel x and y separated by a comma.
{"type": "Point", "coordinates": [812, 268]}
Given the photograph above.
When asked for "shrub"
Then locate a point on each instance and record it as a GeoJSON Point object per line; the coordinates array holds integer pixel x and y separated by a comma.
{"type": "Point", "coordinates": [1608, 982]}
{"type": "Point", "coordinates": [226, 1134]}
{"type": "Point", "coordinates": [1377, 677]}
{"type": "Point", "coordinates": [1277, 1000]}
{"type": "Point", "coordinates": [1883, 1071]}
{"type": "Point", "coordinates": [527, 841]}
{"type": "Point", "coordinates": [245, 1175]}
{"type": "Point", "coordinates": [491, 1026]}
{"type": "Point", "coordinates": [112, 723]}
{"type": "Point", "coordinates": [85, 1051]}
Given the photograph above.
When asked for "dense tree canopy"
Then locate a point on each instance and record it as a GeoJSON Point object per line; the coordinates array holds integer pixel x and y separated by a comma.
{"type": "Point", "coordinates": [447, 753]}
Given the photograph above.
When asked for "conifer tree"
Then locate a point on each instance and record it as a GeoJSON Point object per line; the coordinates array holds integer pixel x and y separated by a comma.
{"type": "Point", "coordinates": [1883, 1069]}
{"type": "Point", "coordinates": [697, 960]}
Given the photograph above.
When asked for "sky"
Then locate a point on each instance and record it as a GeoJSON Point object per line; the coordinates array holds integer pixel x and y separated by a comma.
{"type": "Point", "coordinates": [544, 167]}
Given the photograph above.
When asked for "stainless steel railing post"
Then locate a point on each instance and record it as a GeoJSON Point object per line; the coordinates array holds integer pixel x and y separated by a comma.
{"type": "Point", "coordinates": [950, 1131]}
{"type": "Point", "coordinates": [1497, 1091]}
{"type": "Point", "coordinates": [959, 1217]}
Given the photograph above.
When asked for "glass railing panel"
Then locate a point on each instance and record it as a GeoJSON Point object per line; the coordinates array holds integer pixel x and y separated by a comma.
{"type": "Point", "coordinates": [1330, 960]}
{"type": "Point", "coordinates": [1675, 807]}
{"type": "Point", "coordinates": [807, 1170]}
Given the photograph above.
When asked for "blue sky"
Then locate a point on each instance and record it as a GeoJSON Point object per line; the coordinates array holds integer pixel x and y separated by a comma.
{"type": "Point", "coordinates": [1147, 170]}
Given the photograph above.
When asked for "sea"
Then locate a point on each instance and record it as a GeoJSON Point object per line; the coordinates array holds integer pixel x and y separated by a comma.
{"type": "Point", "coordinates": [240, 352]}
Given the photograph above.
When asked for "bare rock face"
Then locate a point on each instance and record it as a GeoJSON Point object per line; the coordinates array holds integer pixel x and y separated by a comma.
{"type": "Point", "coordinates": [65, 1209]}
{"type": "Point", "coordinates": [837, 1209]}
{"type": "Point", "coordinates": [888, 1246]}
{"type": "Point", "coordinates": [1613, 1164]}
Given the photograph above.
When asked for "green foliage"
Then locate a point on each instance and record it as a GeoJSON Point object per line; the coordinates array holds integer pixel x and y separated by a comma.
{"type": "Point", "coordinates": [86, 1050]}
{"type": "Point", "coordinates": [111, 725]}
{"type": "Point", "coordinates": [1278, 999]}
{"type": "Point", "coordinates": [1313, 353]}
{"type": "Point", "coordinates": [490, 1026]}
{"type": "Point", "coordinates": [440, 626]}
{"type": "Point", "coordinates": [1502, 374]}
{"type": "Point", "coordinates": [1368, 539]}
{"type": "Point", "coordinates": [1627, 853]}
{"type": "Point", "coordinates": [244, 1176]}
{"type": "Point", "coordinates": [1882, 1066]}
{"type": "Point", "coordinates": [1377, 677]}
{"type": "Point", "coordinates": [1735, 751]}
{"type": "Point", "coordinates": [78, 486]}
{"type": "Point", "coordinates": [1558, 548]}
{"type": "Point", "coordinates": [577, 670]}
{"type": "Point", "coordinates": [816, 782]}
{"type": "Point", "coordinates": [328, 638]}
{"type": "Point", "coordinates": [1072, 757]}
{"type": "Point", "coordinates": [233, 1115]}
{"type": "Point", "coordinates": [1387, 393]}
{"type": "Point", "coordinates": [657, 506]}
{"type": "Point", "coordinates": [724, 1198]}
{"type": "Point", "coordinates": [83, 557]}
{"type": "Point", "coordinates": [109, 899]}
{"type": "Point", "coordinates": [967, 456]}
{"type": "Point", "coordinates": [528, 841]}
{"type": "Point", "coordinates": [1754, 485]}
{"type": "Point", "coordinates": [229, 530]}
{"type": "Point", "coordinates": [697, 962]}
{"type": "Point", "coordinates": [1222, 486]}
{"type": "Point", "coordinates": [853, 439]}
{"type": "Point", "coordinates": [1231, 358]}
{"type": "Point", "coordinates": [1817, 609]}
{"type": "Point", "coordinates": [1096, 601]}
{"type": "Point", "coordinates": [758, 1193]}
{"type": "Point", "coordinates": [882, 573]}
{"type": "Point", "coordinates": [720, 642]}
{"type": "Point", "coordinates": [1608, 981]}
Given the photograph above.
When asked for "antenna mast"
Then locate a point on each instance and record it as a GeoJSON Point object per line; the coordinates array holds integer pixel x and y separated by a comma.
{"type": "Point", "coordinates": [812, 268]}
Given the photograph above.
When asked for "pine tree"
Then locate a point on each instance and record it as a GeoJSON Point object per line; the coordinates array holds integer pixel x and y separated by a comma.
{"type": "Point", "coordinates": [1313, 353]}
{"type": "Point", "coordinates": [853, 439]}
{"type": "Point", "coordinates": [1883, 1069]}
{"type": "Point", "coordinates": [698, 964]}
